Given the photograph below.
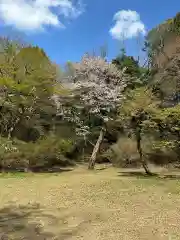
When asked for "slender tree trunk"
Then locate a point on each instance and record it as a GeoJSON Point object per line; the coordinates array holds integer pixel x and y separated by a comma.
{"type": "Point", "coordinates": [92, 160]}
{"type": "Point", "coordinates": [139, 148]}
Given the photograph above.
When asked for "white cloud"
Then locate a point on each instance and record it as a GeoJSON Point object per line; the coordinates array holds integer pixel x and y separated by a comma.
{"type": "Point", "coordinates": [128, 25]}
{"type": "Point", "coordinates": [31, 15]}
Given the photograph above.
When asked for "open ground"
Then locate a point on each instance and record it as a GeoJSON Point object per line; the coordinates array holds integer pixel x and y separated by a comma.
{"type": "Point", "coordinates": [91, 205]}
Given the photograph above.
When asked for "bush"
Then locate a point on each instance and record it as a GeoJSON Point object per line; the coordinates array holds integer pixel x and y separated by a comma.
{"type": "Point", "coordinates": [45, 153]}
{"type": "Point", "coordinates": [10, 156]}
{"type": "Point", "coordinates": [162, 153]}
{"type": "Point", "coordinates": [124, 153]}
{"type": "Point", "coordinates": [50, 151]}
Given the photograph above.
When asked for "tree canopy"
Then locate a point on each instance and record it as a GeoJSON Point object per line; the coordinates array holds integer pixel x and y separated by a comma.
{"type": "Point", "coordinates": [90, 109]}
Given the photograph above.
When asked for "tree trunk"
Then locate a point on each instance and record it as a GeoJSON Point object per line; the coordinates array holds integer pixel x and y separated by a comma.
{"type": "Point", "coordinates": [139, 148]}
{"type": "Point", "coordinates": [95, 150]}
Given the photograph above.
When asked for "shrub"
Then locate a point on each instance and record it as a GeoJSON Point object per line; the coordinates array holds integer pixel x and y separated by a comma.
{"type": "Point", "coordinates": [45, 153]}
{"type": "Point", "coordinates": [10, 155]}
{"type": "Point", "coordinates": [50, 151]}
{"type": "Point", "coordinates": [162, 152]}
{"type": "Point", "coordinates": [124, 153]}
{"type": "Point", "coordinates": [107, 156]}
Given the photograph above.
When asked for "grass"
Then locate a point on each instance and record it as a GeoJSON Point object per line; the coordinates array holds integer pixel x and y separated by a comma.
{"type": "Point", "coordinates": [81, 204]}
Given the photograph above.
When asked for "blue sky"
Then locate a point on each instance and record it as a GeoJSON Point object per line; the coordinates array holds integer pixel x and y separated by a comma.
{"type": "Point", "coordinates": [66, 30]}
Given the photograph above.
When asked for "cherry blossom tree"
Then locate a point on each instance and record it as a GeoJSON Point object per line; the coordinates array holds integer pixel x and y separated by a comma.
{"type": "Point", "coordinates": [97, 86]}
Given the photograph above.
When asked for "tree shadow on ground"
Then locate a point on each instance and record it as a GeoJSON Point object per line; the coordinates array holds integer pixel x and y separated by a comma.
{"type": "Point", "coordinates": [32, 222]}
{"type": "Point", "coordinates": [102, 166]}
{"type": "Point", "coordinates": [38, 170]}
{"type": "Point", "coordinates": [52, 170]}
{"type": "Point", "coordinates": [101, 169]}
{"type": "Point", "coordinates": [143, 175]}
{"type": "Point", "coordinates": [16, 223]}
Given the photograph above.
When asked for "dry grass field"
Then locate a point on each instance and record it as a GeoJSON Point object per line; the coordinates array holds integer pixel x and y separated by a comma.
{"type": "Point", "coordinates": [78, 204]}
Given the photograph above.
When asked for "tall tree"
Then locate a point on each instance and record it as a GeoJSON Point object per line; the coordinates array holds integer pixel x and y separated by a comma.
{"type": "Point", "coordinates": [99, 86]}
{"type": "Point", "coordinates": [136, 111]}
{"type": "Point", "coordinates": [133, 69]}
{"type": "Point", "coordinates": [132, 66]}
{"type": "Point", "coordinates": [27, 80]}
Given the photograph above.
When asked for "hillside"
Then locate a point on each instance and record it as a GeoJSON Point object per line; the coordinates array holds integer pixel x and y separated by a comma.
{"type": "Point", "coordinates": [164, 41]}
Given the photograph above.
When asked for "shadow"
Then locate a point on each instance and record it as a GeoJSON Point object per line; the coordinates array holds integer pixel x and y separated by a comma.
{"type": "Point", "coordinates": [38, 170]}
{"type": "Point", "coordinates": [171, 176]}
{"type": "Point", "coordinates": [52, 170]}
{"type": "Point", "coordinates": [101, 169]}
{"type": "Point", "coordinates": [30, 222]}
{"type": "Point", "coordinates": [102, 166]}
{"type": "Point", "coordinates": [18, 222]}
{"type": "Point", "coordinates": [143, 175]}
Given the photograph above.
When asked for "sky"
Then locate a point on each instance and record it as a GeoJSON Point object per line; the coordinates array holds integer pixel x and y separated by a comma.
{"type": "Point", "coordinates": [66, 29]}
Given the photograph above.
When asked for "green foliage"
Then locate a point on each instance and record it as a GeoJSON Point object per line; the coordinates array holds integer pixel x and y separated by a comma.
{"type": "Point", "coordinates": [138, 101]}
{"type": "Point", "coordinates": [132, 67]}
{"type": "Point", "coordinates": [158, 36]}
{"type": "Point", "coordinates": [168, 120]}
{"type": "Point", "coordinates": [27, 108]}
{"type": "Point", "coordinates": [174, 24]}
{"type": "Point", "coordinates": [44, 124]}
{"type": "Point", "coordinates": [124, 152]}
{"type": "Point", "coordinates": [26, 99]}
{"type": "Point", "coordinates": [69, 69]}
{"type": "Point", "coordinates": [46, 152]}
{"type": "Point", "coordinates": [141, 113]}
{"type": "Point", "coordinates": [135, 113]}
{"type": "Point", "coordinates": [10, 156]}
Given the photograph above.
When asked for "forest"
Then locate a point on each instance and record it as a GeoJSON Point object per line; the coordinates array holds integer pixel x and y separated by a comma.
{"type": "Point", "coordinates": [92, 111]}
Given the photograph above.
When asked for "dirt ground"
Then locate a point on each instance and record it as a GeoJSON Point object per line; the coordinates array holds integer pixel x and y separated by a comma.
{"type": "Point", "coordinates": [104, 204]}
